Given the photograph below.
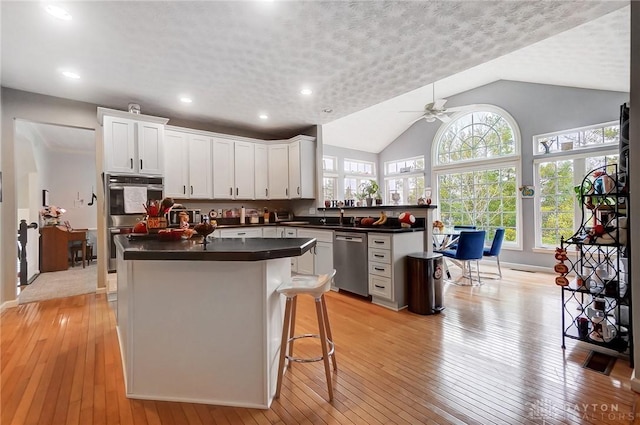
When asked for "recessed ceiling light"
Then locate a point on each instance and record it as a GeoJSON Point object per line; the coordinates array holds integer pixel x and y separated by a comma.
{"type": "Point", "coordinates": [71, 75]}
{"type": "Point", "coordinates": [306, 92]}
{"type": "Point", "coordinates": [263, 116]}
{"type": "Point", "coordinates": [58, 12]}
{"type": "Point", "coordinates": [185, 100]}
{"type": "Point", "coordinates": [327, 110]}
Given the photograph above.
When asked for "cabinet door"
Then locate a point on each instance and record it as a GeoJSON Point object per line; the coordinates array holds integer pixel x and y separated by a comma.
{"type": "Point", "coordinates": [306, 262]}
{"type": "Point", "coordinates": [278, 171]}
{"type": "Point", "coordinates": [150, 143]}
{"type": "Point", "coordinates": [261, 172]}
{"type": "Point", "coordinates": [270, 232]}
{"type": "Point", "coordinates": [119, 145]}
{"type": "Point", "coordinates": [176, 164]}
{"type": "Point", "coordinates": [244, 163]}
{"type": "Point", "coordinates": [200, 180]}
{"type": "Point", "coordinates": [294, 170]}
{"type": "Point", "coordinates": [223, 187]}
{"type": "Point", "coordinates": [324, 258]}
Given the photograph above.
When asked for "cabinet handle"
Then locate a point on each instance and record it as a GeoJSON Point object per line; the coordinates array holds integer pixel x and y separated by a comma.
{"type": "Point", "coordinates": [141, 164]}
{"type": "Point", "coordinates": [378, 255]}
{"type": "Point", "coordinates": [379, 269]}
{"type": "Point", "coordinates": [236, 191]}
{"type": "Point", "coordinates": [378, 241]}
{"type": "Point", "coordinates": [298, 190]}
{"type": "Point", "coordinates": [184, 189]}
{"type": "Point", "coordinates": [231, 191]}
{"type": "Point", "coordinates": [378, 286]}
{"type": "Point", "coordinates": [131, 160]}
{"type": "Point", "coordinates": [192, 190]}
{"type": "Point", "coordinates": [242, 233]}
{"type": "Point", "coordinates": [286, 191]}
{"type": "Point", "coordinates": [266, 192]}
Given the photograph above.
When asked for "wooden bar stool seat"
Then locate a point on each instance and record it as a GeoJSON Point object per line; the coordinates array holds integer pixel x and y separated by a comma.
{"type": "Point", "coordinates": [315, 286]}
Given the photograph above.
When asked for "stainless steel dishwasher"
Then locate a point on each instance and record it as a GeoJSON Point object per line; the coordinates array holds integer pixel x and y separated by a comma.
{"type": "Point", "coordinates": [350, 261]}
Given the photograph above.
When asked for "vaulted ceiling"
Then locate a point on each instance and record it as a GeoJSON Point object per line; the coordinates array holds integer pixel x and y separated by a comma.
{"type": "Point", "coordinates": [237, 60]}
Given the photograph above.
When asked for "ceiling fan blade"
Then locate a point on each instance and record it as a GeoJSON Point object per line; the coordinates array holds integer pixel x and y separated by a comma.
{"type": "Point", "coordinates": [443, 117]}
{"type": "Point", "coordinates": [413, 112]}
{"type": "Point", "coordinates": [439, 104]}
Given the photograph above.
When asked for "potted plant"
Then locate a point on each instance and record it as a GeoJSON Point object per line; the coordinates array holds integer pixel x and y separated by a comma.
{"type": "Point", "coordinates": [370, 190]}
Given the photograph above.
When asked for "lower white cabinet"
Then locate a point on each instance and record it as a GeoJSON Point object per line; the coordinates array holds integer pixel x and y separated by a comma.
{"type": "Point", "coordinates": [387, 259]}
{"type": "Point", "coordinates": [318, 260]}
{"type": "Point", "coordinates": [290, 232]}
{"type": "Point", "coordinates": [254, 232]}
{"type": "Point", "coordinates": [270, 232]}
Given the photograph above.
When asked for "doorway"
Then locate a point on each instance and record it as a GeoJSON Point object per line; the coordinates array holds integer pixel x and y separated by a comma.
{"type": "Point", "coordinates": [55, 176]}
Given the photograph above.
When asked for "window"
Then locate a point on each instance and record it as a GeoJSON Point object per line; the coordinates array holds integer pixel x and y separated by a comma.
{"type": "Point", "coordinates": [557, 211]}
{"type": "Point", "coordinates": [404, 181]}
{"type": "Point", "coordinates": [329, 177]}
{"type": "Point", "coordinates": [357, 172]}
{"type": "Point", "coordinates": [477, 172]}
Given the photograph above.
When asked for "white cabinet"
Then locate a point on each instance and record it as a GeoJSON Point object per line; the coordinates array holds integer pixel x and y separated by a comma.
{"type": "Point", "coordinates": [318, 260]}
{"type": "Point", "coordinates": [278, 164]}
{"type": "Point", "coordinates": [387, 257]}
{"type": "Point", "coordinates": [244, 164]}
{"type": "Point", "coordinates": [302, 168]}
{"type": "Point", "coordinates": [261, 172]}
{"type": "Point", "coordinates": [270, 232]}
{"type": "Point", "coordinates": [253, 232]}
{"type": "Point", "coordinates": [133, 147]}
{"type": "Point", "coordinates": [289, 232]}
{"type": "Point", "coordinates": [223, 185]}
{"type": "Point", "coordinates": [187, 165]}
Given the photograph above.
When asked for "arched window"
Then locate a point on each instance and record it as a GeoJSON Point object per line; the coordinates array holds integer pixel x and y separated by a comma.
{"type": "Point", "coordinates": [476, 166]}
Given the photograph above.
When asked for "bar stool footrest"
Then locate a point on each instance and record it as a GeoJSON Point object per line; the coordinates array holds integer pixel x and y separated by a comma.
{"type": "Point", "coordinates": [312, 359]}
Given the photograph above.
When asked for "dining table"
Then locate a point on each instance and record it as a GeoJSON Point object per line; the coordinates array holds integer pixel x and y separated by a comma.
{"type": "Point", "coordinates": [446, 239]}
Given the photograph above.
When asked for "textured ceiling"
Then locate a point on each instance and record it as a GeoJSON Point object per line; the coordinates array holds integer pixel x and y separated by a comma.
{"type": "Point", "coordinates": [239, 59]}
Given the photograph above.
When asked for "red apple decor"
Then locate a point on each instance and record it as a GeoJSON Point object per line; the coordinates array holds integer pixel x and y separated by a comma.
{"type": "Point", "coordinates": [406, 219]}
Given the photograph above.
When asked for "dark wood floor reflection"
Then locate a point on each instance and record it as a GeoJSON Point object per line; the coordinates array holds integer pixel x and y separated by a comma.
{"type": "Point", "coordinates": [492, 357]}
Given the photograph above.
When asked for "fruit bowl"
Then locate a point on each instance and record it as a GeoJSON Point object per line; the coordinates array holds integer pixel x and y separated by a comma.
{"type": "Point", "coordinates": [170, 234]}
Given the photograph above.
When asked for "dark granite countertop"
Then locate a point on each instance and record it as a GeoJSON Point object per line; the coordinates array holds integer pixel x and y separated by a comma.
{"type": "Point", "coordinates": [347, 228]}
{"type": "Point", "coordinates": [218, 249]}
{"type": "Point", "coordinates": [332, 224]}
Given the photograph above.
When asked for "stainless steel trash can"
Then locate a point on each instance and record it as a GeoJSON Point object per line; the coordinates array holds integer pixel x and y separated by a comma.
{"type": "Point", "coordinates": [424, 277]}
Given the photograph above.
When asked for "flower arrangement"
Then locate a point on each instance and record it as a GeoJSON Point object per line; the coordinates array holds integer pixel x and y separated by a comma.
{"type": "Point", "coordinates": [51, 214]}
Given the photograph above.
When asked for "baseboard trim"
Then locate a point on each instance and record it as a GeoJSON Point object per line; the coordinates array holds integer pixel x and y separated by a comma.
{"type": "Point", "coordinates": [8, 304]}
{"type": "Point", "coordinates": [521, 267]}
{"type": "Point", "coordinates": [635, 382]}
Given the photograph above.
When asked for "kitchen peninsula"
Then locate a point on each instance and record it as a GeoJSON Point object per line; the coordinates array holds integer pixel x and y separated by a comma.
{"type": "Point", "coordinates": [202, 325]}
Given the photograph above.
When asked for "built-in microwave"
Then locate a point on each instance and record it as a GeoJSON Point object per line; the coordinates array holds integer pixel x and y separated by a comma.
{"type": "Point", "coordinates": [194, 216]}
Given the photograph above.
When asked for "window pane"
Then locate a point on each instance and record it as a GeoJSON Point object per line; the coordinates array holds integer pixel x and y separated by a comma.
{"type": "Point", "coordinates": [329, 187]}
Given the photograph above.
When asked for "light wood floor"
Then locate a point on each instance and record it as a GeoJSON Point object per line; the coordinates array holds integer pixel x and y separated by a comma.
{"type": "Point", "coordinates": [492, 357]}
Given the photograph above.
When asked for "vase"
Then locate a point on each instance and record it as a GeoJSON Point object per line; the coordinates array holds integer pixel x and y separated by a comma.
{"type": "Point", "coordinates": [369, 202]}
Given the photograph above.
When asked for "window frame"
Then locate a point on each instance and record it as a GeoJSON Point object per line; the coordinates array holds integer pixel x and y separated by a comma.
{"type": "Point", "coordinates": [514, 159]}
{"type": "Point", "coordinates": [330, 174]}
{"type": "Point", "coordinates": [608, 146]}
{"type": "Point", "coordinates": [404, 176]}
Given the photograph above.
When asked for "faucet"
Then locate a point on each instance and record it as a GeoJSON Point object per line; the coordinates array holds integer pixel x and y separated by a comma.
{"type": "Point", "coordinates": [341, 216]}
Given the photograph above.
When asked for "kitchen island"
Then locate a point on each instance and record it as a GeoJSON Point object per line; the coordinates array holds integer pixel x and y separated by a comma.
{"type": "Point", "coordinates": [202, 325]}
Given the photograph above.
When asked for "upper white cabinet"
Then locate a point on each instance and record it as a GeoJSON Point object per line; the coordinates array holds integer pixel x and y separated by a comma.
{"type": "Point", "coordinates": [244, 163]}
{"type": "Point", "coordinates": [261, 172]}
{"type": "Point", "coordinates": [278, 164]}
{"type": "Point", "coordinates": [223, 168]}
{"type": "Point", "coordinates": [187, 168]}
{"type": "Point", "coordinates": [302, 168]}
{"type": "Point", "coordinates": [133, 144]}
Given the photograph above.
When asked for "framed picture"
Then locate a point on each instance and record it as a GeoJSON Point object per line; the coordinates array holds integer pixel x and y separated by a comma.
{"type": "Point", "coordinates": [528, 191]}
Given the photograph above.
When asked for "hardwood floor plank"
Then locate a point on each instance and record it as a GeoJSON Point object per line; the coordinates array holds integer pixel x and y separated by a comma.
{"type": "Point", "coordinates": [487, 359]}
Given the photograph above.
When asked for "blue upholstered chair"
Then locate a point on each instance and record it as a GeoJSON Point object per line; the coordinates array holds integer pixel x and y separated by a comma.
{"type": "Point", "coordinates": [495, 248]}
{"type": "Point", "coordinates": [470, 247]}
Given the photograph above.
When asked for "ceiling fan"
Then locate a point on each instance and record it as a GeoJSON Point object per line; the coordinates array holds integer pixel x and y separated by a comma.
{"type": "Point", "coordinates": [436, 110]}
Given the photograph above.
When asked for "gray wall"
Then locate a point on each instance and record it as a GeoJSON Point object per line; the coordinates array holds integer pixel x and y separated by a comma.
{"type": "Point", "coordinates": [537, 109]}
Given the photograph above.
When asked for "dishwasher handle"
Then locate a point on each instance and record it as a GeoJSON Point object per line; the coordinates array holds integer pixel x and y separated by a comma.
{"type": "Point", "coordinates": [349, 239]}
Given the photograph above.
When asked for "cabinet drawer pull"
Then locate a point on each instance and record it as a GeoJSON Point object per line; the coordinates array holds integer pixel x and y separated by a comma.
{"type": "Point", "coordinates": [378, 242]}
{"type": "Point", "coordinates": [266, 192]}
{"type": "Point", "coordinates": [378, 255]}
{"type": "Point", "coordinates": [298, 190]}
{"type": "Point", "coordinates": [236, 191]}
{"type": "Point", "coordinates": [242, 233]}
{"type": "Point", "coordinates": [380, 287]}
{"type": "Point", "coordinates": [131, 159]}
{"type": "Point", "coordinates": [184, 189]}
{"type": "Point", "coordinates": [231, 191]}
{"type": "Point", "coordinates": [379, 269]}
{"type": "Point", "coordinates": [192, 190]}
{"type": "Point", "coordinates": [286, 191]}
{"type": "Point", "coordinates": [141, 164]}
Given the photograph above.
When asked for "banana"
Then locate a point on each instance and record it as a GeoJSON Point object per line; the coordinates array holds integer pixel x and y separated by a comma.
{"type": "Point", "coordinates": [381, 220]}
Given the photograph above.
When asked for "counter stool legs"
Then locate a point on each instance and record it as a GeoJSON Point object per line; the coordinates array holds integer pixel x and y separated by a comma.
{"type": "Point", "coordinates": [286, 326]}
{"type": "Point", "coordinates": [322, 320]}
{"type": "Point", "coordinates": [288, 337]}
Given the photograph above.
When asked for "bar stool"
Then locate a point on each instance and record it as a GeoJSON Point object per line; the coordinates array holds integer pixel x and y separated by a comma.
{"type": "Point", "coordinates": [315, 286]}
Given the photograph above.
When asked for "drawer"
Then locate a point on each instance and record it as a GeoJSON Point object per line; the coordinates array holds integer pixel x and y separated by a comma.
{"type": "Point", "coordinates": [380, 255]}
{"type": "Point", "coordinates": [237, 233]}
{"type": "Point", "coordinates": [320, 235]}
{"type": "Point", "coordinates": [289, 233]}
{"type": "Point", "coordinates": [380, 286]}
{"type": "Point", "coordinates": [379, 241]}
{"type": "Point", "coordinates": [380, 269]}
